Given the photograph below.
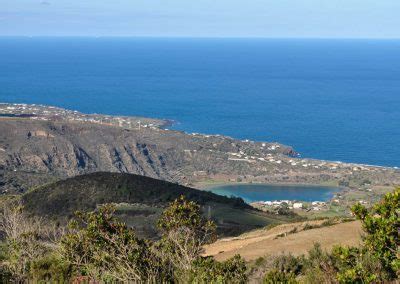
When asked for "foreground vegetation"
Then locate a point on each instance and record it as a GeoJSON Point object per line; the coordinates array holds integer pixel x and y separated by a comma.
{"type": "Point", "coordinates": [96, 247]}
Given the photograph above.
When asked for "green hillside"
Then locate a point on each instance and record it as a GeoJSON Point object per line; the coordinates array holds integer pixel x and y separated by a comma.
{"type": "Point", "coordinates": [140, 200]}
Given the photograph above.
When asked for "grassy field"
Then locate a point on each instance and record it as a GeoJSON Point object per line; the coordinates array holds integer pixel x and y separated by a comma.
{"type": "Point", "coordinates": [289, 238]}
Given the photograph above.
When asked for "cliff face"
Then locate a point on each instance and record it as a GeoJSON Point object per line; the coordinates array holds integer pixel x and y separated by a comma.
{"type": "Point", "coordinates": [64, 149]}
{"type": "Point", "coordinates": [68, 149]}
{"type": "Point", "coordinates": [33, 152]}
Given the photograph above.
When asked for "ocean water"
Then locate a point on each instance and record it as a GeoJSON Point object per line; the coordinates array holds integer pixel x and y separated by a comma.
{"type": "Point", "coordinates": [329, 99]}
{"type": "Point", "coordinates": [263, 192]}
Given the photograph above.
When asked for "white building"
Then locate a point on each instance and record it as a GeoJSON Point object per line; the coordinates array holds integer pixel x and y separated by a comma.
{"type": "Point", "coordinates": [297, 205]}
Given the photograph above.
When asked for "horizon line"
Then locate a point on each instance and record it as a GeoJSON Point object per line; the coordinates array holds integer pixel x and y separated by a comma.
{"type": "Point", "coordinates": [199, 37]}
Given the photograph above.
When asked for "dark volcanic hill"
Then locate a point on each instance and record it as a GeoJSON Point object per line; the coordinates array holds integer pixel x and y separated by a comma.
{"type": "Point", "coordinates": [140, 200]}
{"type": "Point", "coordinates": [85, 192]}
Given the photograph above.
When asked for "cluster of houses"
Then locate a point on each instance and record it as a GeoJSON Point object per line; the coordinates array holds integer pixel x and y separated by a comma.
{"type": "Point", "coordinates": [292, 204]}
{"type": "Point", "coordinates": [39, 112]}
{"type": "Point", "coordinates": [297, 163]}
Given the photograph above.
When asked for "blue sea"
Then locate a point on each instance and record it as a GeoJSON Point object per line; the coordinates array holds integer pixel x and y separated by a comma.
{"type": "Point", "coordinates": [329, 99]}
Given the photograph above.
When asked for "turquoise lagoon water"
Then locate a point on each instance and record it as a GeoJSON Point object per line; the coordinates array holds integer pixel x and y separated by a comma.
{"type": "Point", "coordinates": [263, 192]}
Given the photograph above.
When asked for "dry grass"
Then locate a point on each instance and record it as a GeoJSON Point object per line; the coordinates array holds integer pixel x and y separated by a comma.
{"type": "Point", "coordinates": [265, 242]}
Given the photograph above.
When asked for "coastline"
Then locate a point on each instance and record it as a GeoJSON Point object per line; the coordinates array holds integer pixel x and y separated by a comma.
{"type": "Point", "coordinates": [24, 113]}
{"type": "Point", "coordinates": [161, 123]}
{"type": "Point", "coordinates": [46, 112]}
{"type": "Point", "coordinates": [94, 142]}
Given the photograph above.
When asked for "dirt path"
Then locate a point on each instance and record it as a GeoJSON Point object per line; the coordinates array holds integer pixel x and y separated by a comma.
{"type": "Point", "coordinates": [265, 242]}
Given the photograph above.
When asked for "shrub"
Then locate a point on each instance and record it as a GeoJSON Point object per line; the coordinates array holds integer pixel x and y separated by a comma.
{"type": "Point", "coordinates": [259, 261]}
{"type": "Point", "coordinates": [357, 266]}
{"type": "Point", "coordinates": [284, 209]}
{"type": "Point", "coordinates": [207, 270]}
{"type": "Point", "coordinates": [107, 250]}
{"type": "Point", "coordinates": [319, 266]}
{"type": "Point", "coordinates": [26, 240]}
{"type": "Point", "coordinates": [279, 269]}
{"type": "Point", "coordinates": [22, 252]}
{"type": "Point", "coordinates": [382, 226]}
{"type": "Point", "coordinates": [184, 233]}
{"type": "Point", "coordinates": [308, 226]}
{"type": "Point", "coordinates": [50, 269]}
{"type": "Point", "coordinates": [288, 264]}
{"type": "Point", "coordinates": [279, 277]}
{"type": "Point", "coordinates": [328, 222]}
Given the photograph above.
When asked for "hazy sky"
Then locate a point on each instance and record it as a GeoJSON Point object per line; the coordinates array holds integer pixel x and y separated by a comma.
{"type": "Point", "coordinates": [208, 18]}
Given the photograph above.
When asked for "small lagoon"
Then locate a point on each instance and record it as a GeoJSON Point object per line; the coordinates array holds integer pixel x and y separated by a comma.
{"type": "Point", "coordinates": [265, 192]}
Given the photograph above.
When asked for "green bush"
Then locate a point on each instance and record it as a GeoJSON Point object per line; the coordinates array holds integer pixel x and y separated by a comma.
{"type": "Point", "coordinates": [21, 253]}
{"type": "Point", "coordinates": [50, 269]}
{"type": "Point", "coordinates": [357, 266]}
{"type": "Point", "coordinates": [279, 277]}
{"type": "Point", "coordinates": [288, 264]}
{"type": "Point", "coordinates": [207, 270]}
{"type": "Point", "coordinates": [184, 233]}
{"type": "Point", "coordinates": [107, 250]}
{"type": "Point", "coordinates": [381, 224]}
{"type": "Point", "coordinates": [376, 260]}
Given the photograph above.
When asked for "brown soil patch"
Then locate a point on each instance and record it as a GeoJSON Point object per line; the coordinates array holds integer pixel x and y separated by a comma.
{"type": "Point", "coordinates": [265, 242]}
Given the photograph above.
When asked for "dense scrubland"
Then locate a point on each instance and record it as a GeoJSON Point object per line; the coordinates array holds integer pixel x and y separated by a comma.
{"type": "Point", "coordinates": [97, 247]}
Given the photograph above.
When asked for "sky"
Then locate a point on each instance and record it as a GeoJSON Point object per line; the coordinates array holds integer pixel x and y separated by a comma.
{"type": "Point", "coordinates": [202, 18]}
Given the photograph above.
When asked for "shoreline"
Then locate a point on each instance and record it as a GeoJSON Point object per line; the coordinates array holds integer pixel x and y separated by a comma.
{"type": "Point", "coordinates": [337, 189]}
{"type": "Point", "coordinates": [205, 186]}
{"type": "Point", "coordinates": [129, 121]}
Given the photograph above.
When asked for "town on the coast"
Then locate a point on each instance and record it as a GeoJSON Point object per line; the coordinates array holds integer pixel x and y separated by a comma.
{"type": "Point", "coordinates": [46, 113]}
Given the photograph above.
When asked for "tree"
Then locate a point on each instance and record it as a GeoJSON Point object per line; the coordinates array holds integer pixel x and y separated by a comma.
{"type": "Point", "coordinates": [184, 233]}
{"type": "Point", "coordinates": [26, 240]}
{"type": "Point", "coordinates": [381, 224]}
{"type": "Point", "coordinates": [107, 250]}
